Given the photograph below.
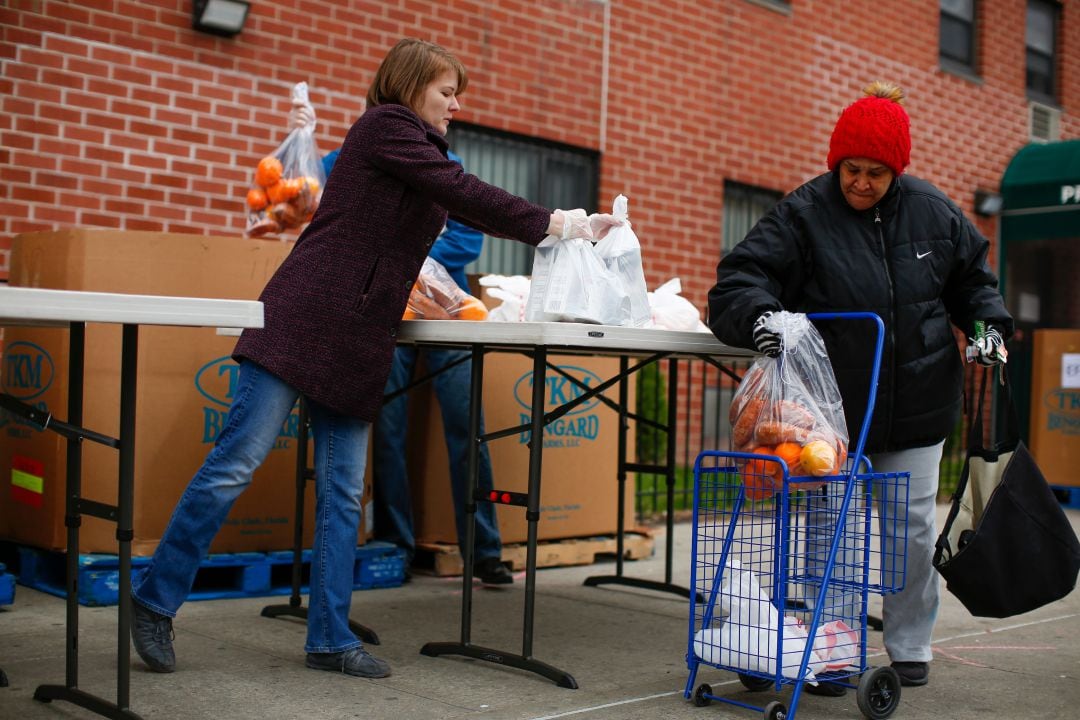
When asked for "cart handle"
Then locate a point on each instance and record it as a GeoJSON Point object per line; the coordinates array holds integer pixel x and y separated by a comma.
{"type": "Point", "coordinates": [879, 344]}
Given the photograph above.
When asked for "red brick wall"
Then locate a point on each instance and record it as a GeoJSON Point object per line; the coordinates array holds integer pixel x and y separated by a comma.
{"type": "Point", "coordinates": [116, 114]}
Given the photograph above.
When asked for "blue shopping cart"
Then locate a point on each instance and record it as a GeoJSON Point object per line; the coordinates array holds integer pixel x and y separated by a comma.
{"type": "Point", "coordinates": [781, 584]}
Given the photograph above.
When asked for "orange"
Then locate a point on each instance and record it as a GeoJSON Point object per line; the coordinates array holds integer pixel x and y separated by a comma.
{"type": "Point", "coordinates": [268, 171]}
{"type": "Point", "coordinates": [256, 199]}
{"type": "Point", "coordinates": [283, 191]}
{"type": "Point", "coordinates": [471, 309]}
{"type": "Point", "coordinates": [790, 453]}
{"type": "Point", "coordinates": [818, 458]}
{"type": "Point", "coordinates": [312, 184]}
{"type": "Point", "coordinates": [758, 475]}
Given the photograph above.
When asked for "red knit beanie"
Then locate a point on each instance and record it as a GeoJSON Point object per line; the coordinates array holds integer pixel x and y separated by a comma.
{"type": "Point", "coordinates": [872, 127]}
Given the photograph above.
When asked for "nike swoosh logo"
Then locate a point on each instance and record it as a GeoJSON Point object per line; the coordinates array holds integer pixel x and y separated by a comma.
{"type": "Point", "coordinates": [920, 256]}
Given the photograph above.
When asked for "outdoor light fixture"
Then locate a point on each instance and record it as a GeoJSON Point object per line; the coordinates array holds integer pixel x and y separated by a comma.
{"type": "Point", "coordinates": [987, 203]}
{"type": "Point", "coordinates": [219, 17]}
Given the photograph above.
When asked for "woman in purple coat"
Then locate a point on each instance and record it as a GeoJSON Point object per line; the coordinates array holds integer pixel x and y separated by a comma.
{"type": "Point", "coordinates": [331, 313]}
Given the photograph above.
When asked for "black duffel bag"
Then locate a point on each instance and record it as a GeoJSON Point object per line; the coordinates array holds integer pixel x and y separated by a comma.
{"type": "Point", "coordinates": [1007, 546]}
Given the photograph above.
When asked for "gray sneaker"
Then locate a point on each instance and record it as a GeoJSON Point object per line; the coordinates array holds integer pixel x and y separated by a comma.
{"type": "Point", "coordinates": [358, 662]}
{"type": "Point", "coordinates": [152, 635]}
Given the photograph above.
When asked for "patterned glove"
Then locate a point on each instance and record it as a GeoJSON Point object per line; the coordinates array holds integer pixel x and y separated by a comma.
{"type": "Point", "coordinates": [766, 341]}
{"type": "Point", "coordinates": [989, 350]}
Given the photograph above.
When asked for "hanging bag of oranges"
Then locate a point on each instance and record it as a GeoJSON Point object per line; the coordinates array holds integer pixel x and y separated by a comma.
{"type": "Point", "coordinates": [790, 407]}
{"type": "Point", "coordinates": [287, 184]}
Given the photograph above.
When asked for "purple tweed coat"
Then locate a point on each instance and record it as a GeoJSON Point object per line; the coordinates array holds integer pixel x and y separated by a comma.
{"type": "Point", "coordinates": [333, 308]}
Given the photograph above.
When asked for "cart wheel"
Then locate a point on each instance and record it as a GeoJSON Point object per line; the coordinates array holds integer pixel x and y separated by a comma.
{"type": "Point", "coordinates": [879, 693]}
{"type": "Point", "coordinates": [775, 710]}
{"type": "Point", "coordinates": [753, 683]}
{"type": "Point", "coordinates": [699, 695]}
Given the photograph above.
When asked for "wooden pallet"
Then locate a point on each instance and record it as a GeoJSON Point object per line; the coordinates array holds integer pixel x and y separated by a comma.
{"type": "Point", "coordinates": [445, 559]}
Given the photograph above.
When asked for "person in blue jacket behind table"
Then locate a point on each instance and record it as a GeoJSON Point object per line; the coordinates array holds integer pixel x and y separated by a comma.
{"type": "Point", "coordinates": [456, 247]}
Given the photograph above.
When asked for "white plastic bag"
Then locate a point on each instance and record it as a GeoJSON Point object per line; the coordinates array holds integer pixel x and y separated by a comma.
{"type": "Point", "coordinates": [513, 290]}
{"type": "Point", "coordinates": [571, 283]}
{"type": "Point", "coordinates": [748, 638]}
{"type": "Point", "coordinates": [621, 252]}
{"type": "Point", "coordinates": [671, 311]}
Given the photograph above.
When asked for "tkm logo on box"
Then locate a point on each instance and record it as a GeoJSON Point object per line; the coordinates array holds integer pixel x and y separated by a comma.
{"type": "Point", "coordinates": [216, 381]}
{"type": "Point", "coordinates": [581, 423]}
{"type": "Point", "coordinates": [27, 373]}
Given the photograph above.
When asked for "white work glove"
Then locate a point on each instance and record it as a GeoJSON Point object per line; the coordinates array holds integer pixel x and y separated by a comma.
{"type": "Point", "coordinates": [602, 223]}
{"type": "Point", "coordinates": [989, 350]}
{"type": "Point", "coordinates": [301, 115]}
{"type": "Point", "coordinates": [766, 341]}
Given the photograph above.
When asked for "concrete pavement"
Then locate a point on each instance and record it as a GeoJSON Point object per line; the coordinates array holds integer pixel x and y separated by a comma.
{"type": "Point", "coordinates": [624, 646]}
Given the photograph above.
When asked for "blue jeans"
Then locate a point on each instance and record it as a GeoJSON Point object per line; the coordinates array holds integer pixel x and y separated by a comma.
{"type": "Point", "coordinates": [261, 404]}
{"type": "Point", "coordinates": [393, 502]}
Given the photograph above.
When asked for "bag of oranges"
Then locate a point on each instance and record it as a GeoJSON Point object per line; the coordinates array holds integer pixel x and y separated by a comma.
{"type": "Point", "coordinates": [287, 184]}
{"type": "Point", "coordinates": [435, 296]}
{"type": "Point", "coordinates": [790, 407]}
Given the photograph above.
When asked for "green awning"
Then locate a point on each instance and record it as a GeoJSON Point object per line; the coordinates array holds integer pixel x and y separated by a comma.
{"type": "Point", "coordinates": [1041, 192]}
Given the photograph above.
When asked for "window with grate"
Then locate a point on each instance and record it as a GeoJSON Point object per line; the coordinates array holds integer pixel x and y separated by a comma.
{"type": "Point", "coordinates": [546, 173]}
{"type": "Point", "coordinates": [1041, 42]}
{"type": "Point", "coordinates": [744, 205]}
{"type": "Point", "coordinates": [956, 41]}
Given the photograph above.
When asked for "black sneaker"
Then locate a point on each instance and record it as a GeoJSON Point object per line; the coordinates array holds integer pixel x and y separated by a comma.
{"type": "Point", "coordinates": [826, 689]}
{"type": "Point", "coordinates": [491, 571]}
{"type": "Point", "coordinates": [152, 635]}
{"type": "Point", "coordinates": [357, 662]}
{"type": "Point", "coordinates": [912, 674]}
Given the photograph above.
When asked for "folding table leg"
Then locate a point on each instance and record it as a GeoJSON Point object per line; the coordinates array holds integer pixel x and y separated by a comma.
{"type": "Point", "coordinates": [524, 661]}
{"type": "Point", "coordinates": [121, 515]}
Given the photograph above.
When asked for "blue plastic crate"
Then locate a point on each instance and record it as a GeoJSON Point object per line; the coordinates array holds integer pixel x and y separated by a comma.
{"type": "Point", "coordinates": [1069, 496]}
{"type": "Point", "coordinates": [7, 586]}
{"type": "Point", "coordinates": [221, 575]}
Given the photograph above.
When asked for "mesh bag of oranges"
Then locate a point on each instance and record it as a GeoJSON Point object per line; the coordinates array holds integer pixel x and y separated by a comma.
{"type": "Point", "coordinates": [287, 184]}
{"type": "Point", "coordinates": [790, 407]}
{"type": "Point", "coordinates": [435, 296]}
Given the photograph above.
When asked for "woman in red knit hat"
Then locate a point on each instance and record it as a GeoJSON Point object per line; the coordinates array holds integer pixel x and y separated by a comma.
{"type": "Point", "coordinates": [867, 237]}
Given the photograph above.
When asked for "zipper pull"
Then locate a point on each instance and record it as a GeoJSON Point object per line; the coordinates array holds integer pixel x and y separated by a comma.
{"type": "Point", "coordinates": [877, 215]}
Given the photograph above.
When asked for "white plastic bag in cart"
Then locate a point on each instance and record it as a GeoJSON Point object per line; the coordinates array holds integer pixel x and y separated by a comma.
{"type": "Point", "coordinates": [513, 290]}
{"type": "Point", "coordinates": [570, 283]}
{"type": "Point", "coordinates": [621, 252]}
{"type": "Point", "coordinates": [671, 311]}
{"type": "Point", "coordinates": [748, 638]}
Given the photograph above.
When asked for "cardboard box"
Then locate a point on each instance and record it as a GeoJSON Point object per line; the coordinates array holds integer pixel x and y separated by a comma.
{"type": "Point", "coordinates": [1055, 405]}
{"type": "Point", "coordinates": [183, 393]}
{"type": "Point", "coordinates": [579, 486]}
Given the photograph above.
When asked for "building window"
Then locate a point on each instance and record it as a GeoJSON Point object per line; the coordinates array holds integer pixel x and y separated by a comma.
{"type": "Point", "coordinates": [744, 205]}
{"type": "Point", "coordinates": [957, 34]}
{"type": "Point", "coordinates": [1041, 41]}
{"type": "Point", "coordinates": [548, 174]}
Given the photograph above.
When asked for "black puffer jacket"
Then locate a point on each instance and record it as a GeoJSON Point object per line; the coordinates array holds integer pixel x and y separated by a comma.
{"type": "Point", "coordinates": [915, 260]}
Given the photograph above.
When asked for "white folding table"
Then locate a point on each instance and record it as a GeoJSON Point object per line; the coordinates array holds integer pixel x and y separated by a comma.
{"type": "Point", "coordinates": [537, 340]}
{"type": "Point", "coordinates": [73, 309]}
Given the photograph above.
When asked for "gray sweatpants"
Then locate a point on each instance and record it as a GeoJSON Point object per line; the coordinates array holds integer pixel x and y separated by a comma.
{"type": "Point", "coordinates": [909, 615]}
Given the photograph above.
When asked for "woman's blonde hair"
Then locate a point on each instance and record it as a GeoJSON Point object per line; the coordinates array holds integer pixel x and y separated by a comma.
{"type": "Point", "coordinates": [408, 69]}
{"type": "Point", "coordinates": [885, 89]}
